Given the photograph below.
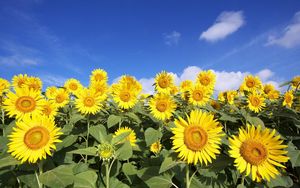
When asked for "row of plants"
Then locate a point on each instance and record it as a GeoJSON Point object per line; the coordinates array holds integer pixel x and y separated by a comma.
{"type": "Point", "coordinates": [180, 136]}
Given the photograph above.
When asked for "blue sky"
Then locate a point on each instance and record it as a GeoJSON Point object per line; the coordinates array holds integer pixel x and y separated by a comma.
{"type": "Point", "coordinates": [57, 40]}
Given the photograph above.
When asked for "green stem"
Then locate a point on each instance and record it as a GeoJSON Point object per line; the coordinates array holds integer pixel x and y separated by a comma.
{"type": "Point", "coordinates": [187, 176]}
{"type": "Point", "coordinates": [87, 136]}
{"type": "Point", "coordinates": [40, 165]}
{"type": "Point", "coordinates": [243, 179]}
{"type": "Point", "coordinates": [107, 174]}
{"type": "Point", "coordinates": [3, 122]}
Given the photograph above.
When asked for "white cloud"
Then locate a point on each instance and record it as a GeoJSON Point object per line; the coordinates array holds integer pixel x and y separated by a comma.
{"type": "Point", "coordinates": [172, 38]}
{"type": "Point", "coordinates": [224, 80]}
{"type": "Point", "coordinates": [290, 36]}
{"type": "Point", "coordinates": [17, 60]}
{"type": "Point", "coordinates": [226, 24]}
{"type": "Point", "coordinates": [53, 80]}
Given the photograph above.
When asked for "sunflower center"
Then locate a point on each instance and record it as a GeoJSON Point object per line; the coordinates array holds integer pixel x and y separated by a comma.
{"type": "Point", "coordinates": [125, 96]}
{"type": "Point", "coordinates": [163, 82]}
{"type": "Point", "coordinates": [253, 152]}
{"type": "Point", "coordinates": [99, 77]}
{"type": "Point", "coordinates": [25, 104]}
{"type": "Point", "coordinates": [73, 86]}
{"type": "Point", "coordinates": [89, 101]}
{"type": "Point", "coordinates": [255, 101]}
{"type": "Point", "coordinates": [197, 95]}
{"type": "Point", "coordinates": [21, 82]}
{"type": "Point", "coordinates": [288, 98]}
{"type": "Point", "coordinates": [250, 83]}
{"type": "Point", "coordinates": [195, 138]}
{"type": "Point", "coordinates": [59, 99]}
{"type": "Point", "coordinates": [161, 106]}
{"type": "Point", "coordinates": [205, 80]}
{"type": "Point", "coordinates": [47, 110]}
{"type": "Point", "coordinates": [36, 137]}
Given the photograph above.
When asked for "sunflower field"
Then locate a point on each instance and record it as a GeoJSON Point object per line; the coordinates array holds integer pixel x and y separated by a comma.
{"type": "Point", "coordinates": [115, 136]}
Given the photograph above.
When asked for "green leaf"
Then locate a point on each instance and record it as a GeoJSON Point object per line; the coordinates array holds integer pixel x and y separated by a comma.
{"type": "Point", "coordinates": [120, 138]}
{"type": "Point", "coordinates": [152, 135]}
{"type": "Point", "coordinates": [29, 179]}
{"type": "Point", "coordinates": [125, 151]}
{"type": "Point", "coordinates": [113, 120]}
{"type": "Point", "coordinates": [85, 151]}
{"type": "Point", "coordinates": [168, 163]}
{"type": "Point", "coordinates": [294, 155]}
{"type": "Point", "coordinates": [99, 133]}
{"type": "Point", "coordinates": [255, 121]}
{"type": "Point", "coordinates": [75, 118]}
{"type": "Point", "coordinates": [152, 178]}
{"type": "Point", "coordinates": [114, 182]}
{"type": "Point", "coordinates": [225, 117]}
{"type": "Point", "coordinates": [8, 161]}
{"type": "Point", "coordinates": [66, 142]}
{"type": "Point", "coordinates": [61, 176]}
{"type": "Point", "coordinates": [86, 179]}
{"type": "Point", "coordinates": [281, 181]}
{"type": "Point", "coordinates": [129, 169]}
{"type": "Point", "coordinates": [134, 117]}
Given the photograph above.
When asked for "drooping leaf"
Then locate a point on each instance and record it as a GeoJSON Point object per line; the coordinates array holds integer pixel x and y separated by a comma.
{"type": "Point", "coordinates": [85, 151]}
{"type": "Point", "coordinates": [152, 135]}
{"type": "Point", "coordinates": [124, 152]}
{"type": "Point", "coordinates": [99, 133]}
{"type": "Point", "coordinates": [86, 179]}
{"type": "Point", "coordinates": [8, 161]}
{"type": "Point", "coordinates": [60, 176]}
{"type": "Point", "coordinates": [113, 120]}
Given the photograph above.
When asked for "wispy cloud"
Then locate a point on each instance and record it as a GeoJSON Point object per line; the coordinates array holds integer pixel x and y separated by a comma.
{"type": "Point", "coordinates": [226, 24]}
{"type": "Point", "coordinates": [290, 36]}
{"type": "Point", "coordinates": [53, 80]}
{"type": "Point", "coordinates": [172, 38]}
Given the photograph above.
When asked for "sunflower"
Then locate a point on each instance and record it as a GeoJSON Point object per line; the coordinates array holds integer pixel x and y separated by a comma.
{"type": "Point", "coordinates": [125, 98]}
{"type": "Point", "coordinates": [296, 82]}
{"type": "Point", "coordinates": [258, 151]}
{"type": "Point", "coordinates": [88, 102]}
{"type": "Point", "coordinates": [198, 139]}
{"type": "Point", "coordinates": [19, 80]}
{"type": "Point", "coordinates": [273, 95]}
{"type": "Point", "coordinates": [207, 79]}
{"type": "Point", "coordinates": [215, 104]}
{"type": "Point", "coordinates": [60, 97]}
{"type": "Point", "coordinates": [130, 83]}
{"type": "Point", "coordinates": [155, 147]}
{"type": "Point", "coordinates": [184, 87]}
{"type": "Point", "coordinates": [50, 91]}
{"type": "Point", "coordinates": [4, 86]}
{"type": "Point", "coordinates": [230, 96]}
{"type": "Point", "coordinates": [106, 151]}
{"type": "Point", "coordinates": [198, 95]}
{"type": "Point", "coordinates": [288, 98]}
{"type": "Point", "coordinates": [98, 75]}
{"type": "Point", "coordinates": [221, 96]}
{"type": "Point", "coordinates": [101, 89]}
{"type": "Point", "coordinates": [131, 137]}
{"type": "Point", "coordinates": [268, 88]}
{"type": "Point", "coordinates": [164, 82]}
{"type": "Point", "coordinates": [33, 138]}
{"type": "Point", "coordinates": [256, 102]}
{"type": "Point", "coordinates": [34, 83]}
{"type": "Point", "coordinates": [162, 106]}
{"type": "Point", "coordinates": [49, 109]}
{"type": "Point", "coordinates": [252, 83]}
{"type": "Point", "coordinates": [24, 103]}
{"type": "Point", "coordinates": [73, 86]}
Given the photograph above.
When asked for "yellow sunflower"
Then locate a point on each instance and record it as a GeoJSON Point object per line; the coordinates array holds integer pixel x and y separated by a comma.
{"type": "Point", "coordinates": [33, 138]}
{"type": "Point", "coordinates": [296, 82]}
{"type": "Point", "coordinates": [252, 83]}
{"type": "Point", "coordinates": [258, 152]}
{"type": "Point", "coordinates": [230, 96]}
{"type": "Point", "coordinates": [125, 98]}
{"type": "Point", "coordinates": [215, 104]}
{"type": "Point", "coordinates": [198, 139]}
{"type": "Point", "coordinates": [164, 82]}
{"type": "Point", "coordinates": [221, 96]}
{"type": "Point", "coordinates": [268, 88]}
{"type": "Point", "coordinates": [18, 81]}
{"type": "Point", "coordinates": [207, 79]}
{"type": "Point", "coordinates": [131, 137]}
{"type": "Point", "coordinates": [49, 109]}
{"type": "Point", "coordinates": [184, 87]}
{"type": "Point", "coordinates": [162, 106]}
{"type": "Point", "coordinates": [34, 83]}
{"type": "Point", "coordinates": [98, 75]}
{"type": "Point", "coordinates": [88, 102]}
{"type": "Point", "coordinates": [4, 86]}
{"type": "Point", "coordinates": [273, 95]}
{"type": "Point", "coordinates": [155, 147]}
{"type": "Point", "coordinates": [73, 86]}
{"type": "Point", "coordinates": [101, 89]}
{"type": "Point", "coordinates": [24, 103]}
{"type": "Point", "coordinates": [256, 102]}
{"type": "Point", "coordinates": [130, 83]}
{"type": "Point", "coordinates": [288, 98]}
{"type": "Point", "coordinates": [198, 95]}
{"type": "Point", "coordinates": [60, 97]}
{"type": "Point", "coordinates": [50, 91]}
